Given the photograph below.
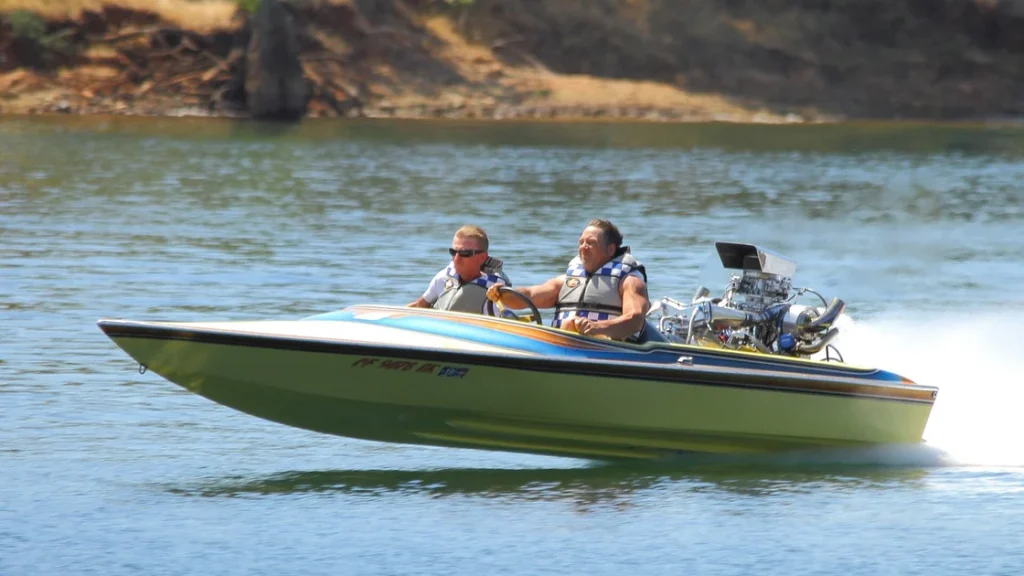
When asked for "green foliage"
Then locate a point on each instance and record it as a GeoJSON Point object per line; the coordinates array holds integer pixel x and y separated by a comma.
{"type": "Point", "coordinates": [26, 25]}
{"type": "Point", "coordinates": [59, 41]}
{"type": "Point", "coordinates": [250, 6]}
{"type": "Point", "coordinates": [459, 2]}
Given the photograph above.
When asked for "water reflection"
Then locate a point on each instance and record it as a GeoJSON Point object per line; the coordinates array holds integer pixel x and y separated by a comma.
{"type": "Point", "coordinates": [609, 484]}
{"type": "Point", "coordinates": [960, 138]}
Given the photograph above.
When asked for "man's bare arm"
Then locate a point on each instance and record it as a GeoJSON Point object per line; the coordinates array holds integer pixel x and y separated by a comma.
{"type": "Point", "coordinates": [543, 295]}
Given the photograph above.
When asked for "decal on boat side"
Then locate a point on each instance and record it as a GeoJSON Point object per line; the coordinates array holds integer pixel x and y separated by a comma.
{"type": "Point", "coordinates": [453, 372]}
{"type": "Point", "coordinates": [407, 366]}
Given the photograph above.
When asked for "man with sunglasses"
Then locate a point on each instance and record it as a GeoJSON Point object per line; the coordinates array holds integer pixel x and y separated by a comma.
{"type": "Point", "coordinates": [462, 285]}
{"type": "Point", "coordinates": [602, 293]}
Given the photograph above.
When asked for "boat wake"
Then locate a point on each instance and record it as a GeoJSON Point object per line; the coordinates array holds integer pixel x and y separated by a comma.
{"type": "Point", "coordinates": [976, 418]}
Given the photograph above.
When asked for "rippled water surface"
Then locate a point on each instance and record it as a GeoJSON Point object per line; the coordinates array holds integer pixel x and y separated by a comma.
{"type": "Point", "coordinates": [919, 228]}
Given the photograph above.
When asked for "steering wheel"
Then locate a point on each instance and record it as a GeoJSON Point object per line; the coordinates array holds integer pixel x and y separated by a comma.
{"type": "Point", "coordinates": [503, 312]}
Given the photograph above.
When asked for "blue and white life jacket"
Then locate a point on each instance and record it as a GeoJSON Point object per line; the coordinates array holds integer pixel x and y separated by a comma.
{"type": "Point", "coordinates": [470, 296]}
{"type": "Point", "coordinates": [595, 296]}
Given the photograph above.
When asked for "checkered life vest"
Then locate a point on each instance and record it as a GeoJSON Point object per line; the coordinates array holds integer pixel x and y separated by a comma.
{"type": "Point", "coordinates": [595, 296]}
{"type": "Point", "coordinates": [470, 296]}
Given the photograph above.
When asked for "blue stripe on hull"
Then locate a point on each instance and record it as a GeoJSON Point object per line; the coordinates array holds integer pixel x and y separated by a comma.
{"type": "Point", "coordinates": [706, 357]}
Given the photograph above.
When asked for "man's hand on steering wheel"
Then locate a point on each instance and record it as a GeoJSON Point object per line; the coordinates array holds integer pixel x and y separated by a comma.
{"type": "Point", "coordinates": [499, 293]}
{"type": "Point", "coordinates": [494, 293]}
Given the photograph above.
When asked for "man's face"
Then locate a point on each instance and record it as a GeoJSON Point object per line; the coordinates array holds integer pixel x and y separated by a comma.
{"type": "Point", "coordinates": [468, 267]}
{"type": "Point", "coordinates": [594, 252]}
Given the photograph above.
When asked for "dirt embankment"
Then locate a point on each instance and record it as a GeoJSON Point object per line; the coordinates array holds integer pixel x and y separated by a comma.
{"type": "Point", "coordinates": [740, 60]}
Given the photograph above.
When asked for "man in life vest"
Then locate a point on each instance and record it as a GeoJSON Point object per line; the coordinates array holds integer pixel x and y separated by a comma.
{"type": "Point", "coordinates": [462, 285]}
{"type": "Point", "coordinates": [602, 293]}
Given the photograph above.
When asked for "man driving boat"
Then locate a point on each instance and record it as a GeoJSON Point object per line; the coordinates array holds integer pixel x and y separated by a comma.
{"type": "Point", "coordinates": [462, 285]}
{"type": "Point", "coordinates": [602, 293]}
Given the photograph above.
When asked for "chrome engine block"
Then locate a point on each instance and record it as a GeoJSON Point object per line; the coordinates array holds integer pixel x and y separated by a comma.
{"type": "Point", "coordinates": [755, 311]}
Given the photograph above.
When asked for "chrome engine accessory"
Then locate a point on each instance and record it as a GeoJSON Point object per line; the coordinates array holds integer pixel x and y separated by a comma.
{"type": "Point", "coordinates": [755, 312]}
{"type": "Point", "coordinates": [765, 277]}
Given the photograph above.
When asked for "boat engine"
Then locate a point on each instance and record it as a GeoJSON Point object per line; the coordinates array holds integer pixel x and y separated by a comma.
{"type": "Point", "coordinates": [755, 312]}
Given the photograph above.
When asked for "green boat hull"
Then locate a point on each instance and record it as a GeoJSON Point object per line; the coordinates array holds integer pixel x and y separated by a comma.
{"type": "Point", "coordinates": [526, 405]}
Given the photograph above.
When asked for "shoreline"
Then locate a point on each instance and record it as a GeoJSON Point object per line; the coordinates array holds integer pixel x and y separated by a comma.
{"type": "Point", "coordinates": [519, 114]}
{"type": "Point", "coordinates": [428, 111]}
{"type": "Point", "coordinates": [63, 103]}
{"type": "Point", "coordinates": [186, 114]}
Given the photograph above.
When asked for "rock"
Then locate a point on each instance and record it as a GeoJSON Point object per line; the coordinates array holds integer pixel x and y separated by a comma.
{"type": "Point", "coordinates": [275, 86]}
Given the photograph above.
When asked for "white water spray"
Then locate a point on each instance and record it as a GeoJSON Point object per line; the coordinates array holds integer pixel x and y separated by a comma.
{"type": "Point", "coordinates": [977, 418]}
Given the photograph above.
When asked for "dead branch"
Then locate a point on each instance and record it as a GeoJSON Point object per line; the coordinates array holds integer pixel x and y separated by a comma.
{"type": "Point", "coordinates": [180, 78]}
{"type": "Point", "coordinates": [117, 37]}
{"type": "Point", "coordinates": [224, 65]}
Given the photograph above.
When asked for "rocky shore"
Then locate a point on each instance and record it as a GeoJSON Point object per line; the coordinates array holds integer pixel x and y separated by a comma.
{"type": "Point", "coordinates": [655, 60]}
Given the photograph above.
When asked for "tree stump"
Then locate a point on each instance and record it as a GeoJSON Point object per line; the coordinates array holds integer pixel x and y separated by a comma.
{"type": "Point", "coordinates": [275, 87]}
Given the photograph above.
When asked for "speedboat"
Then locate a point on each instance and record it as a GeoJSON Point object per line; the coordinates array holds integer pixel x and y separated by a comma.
{"type": "Point", "coordinates": [749, 371]}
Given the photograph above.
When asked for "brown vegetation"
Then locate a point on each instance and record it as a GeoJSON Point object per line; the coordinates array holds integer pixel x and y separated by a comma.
{"type": "Point", "coordinates": [860, 58]}
{"type": "Point", "coordinates": [656, 59]}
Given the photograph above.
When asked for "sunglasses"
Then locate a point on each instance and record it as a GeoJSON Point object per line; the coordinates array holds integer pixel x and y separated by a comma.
{"type": "Point", "coordinates": [465, 253]}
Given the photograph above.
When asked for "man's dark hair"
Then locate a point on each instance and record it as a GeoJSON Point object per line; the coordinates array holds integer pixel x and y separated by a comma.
{"type": "Point", "coordinates": [608, 230]}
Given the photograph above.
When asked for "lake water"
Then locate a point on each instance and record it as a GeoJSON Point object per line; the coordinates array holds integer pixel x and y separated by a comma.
{"type": "Point", "coordinates": [920, 229]}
